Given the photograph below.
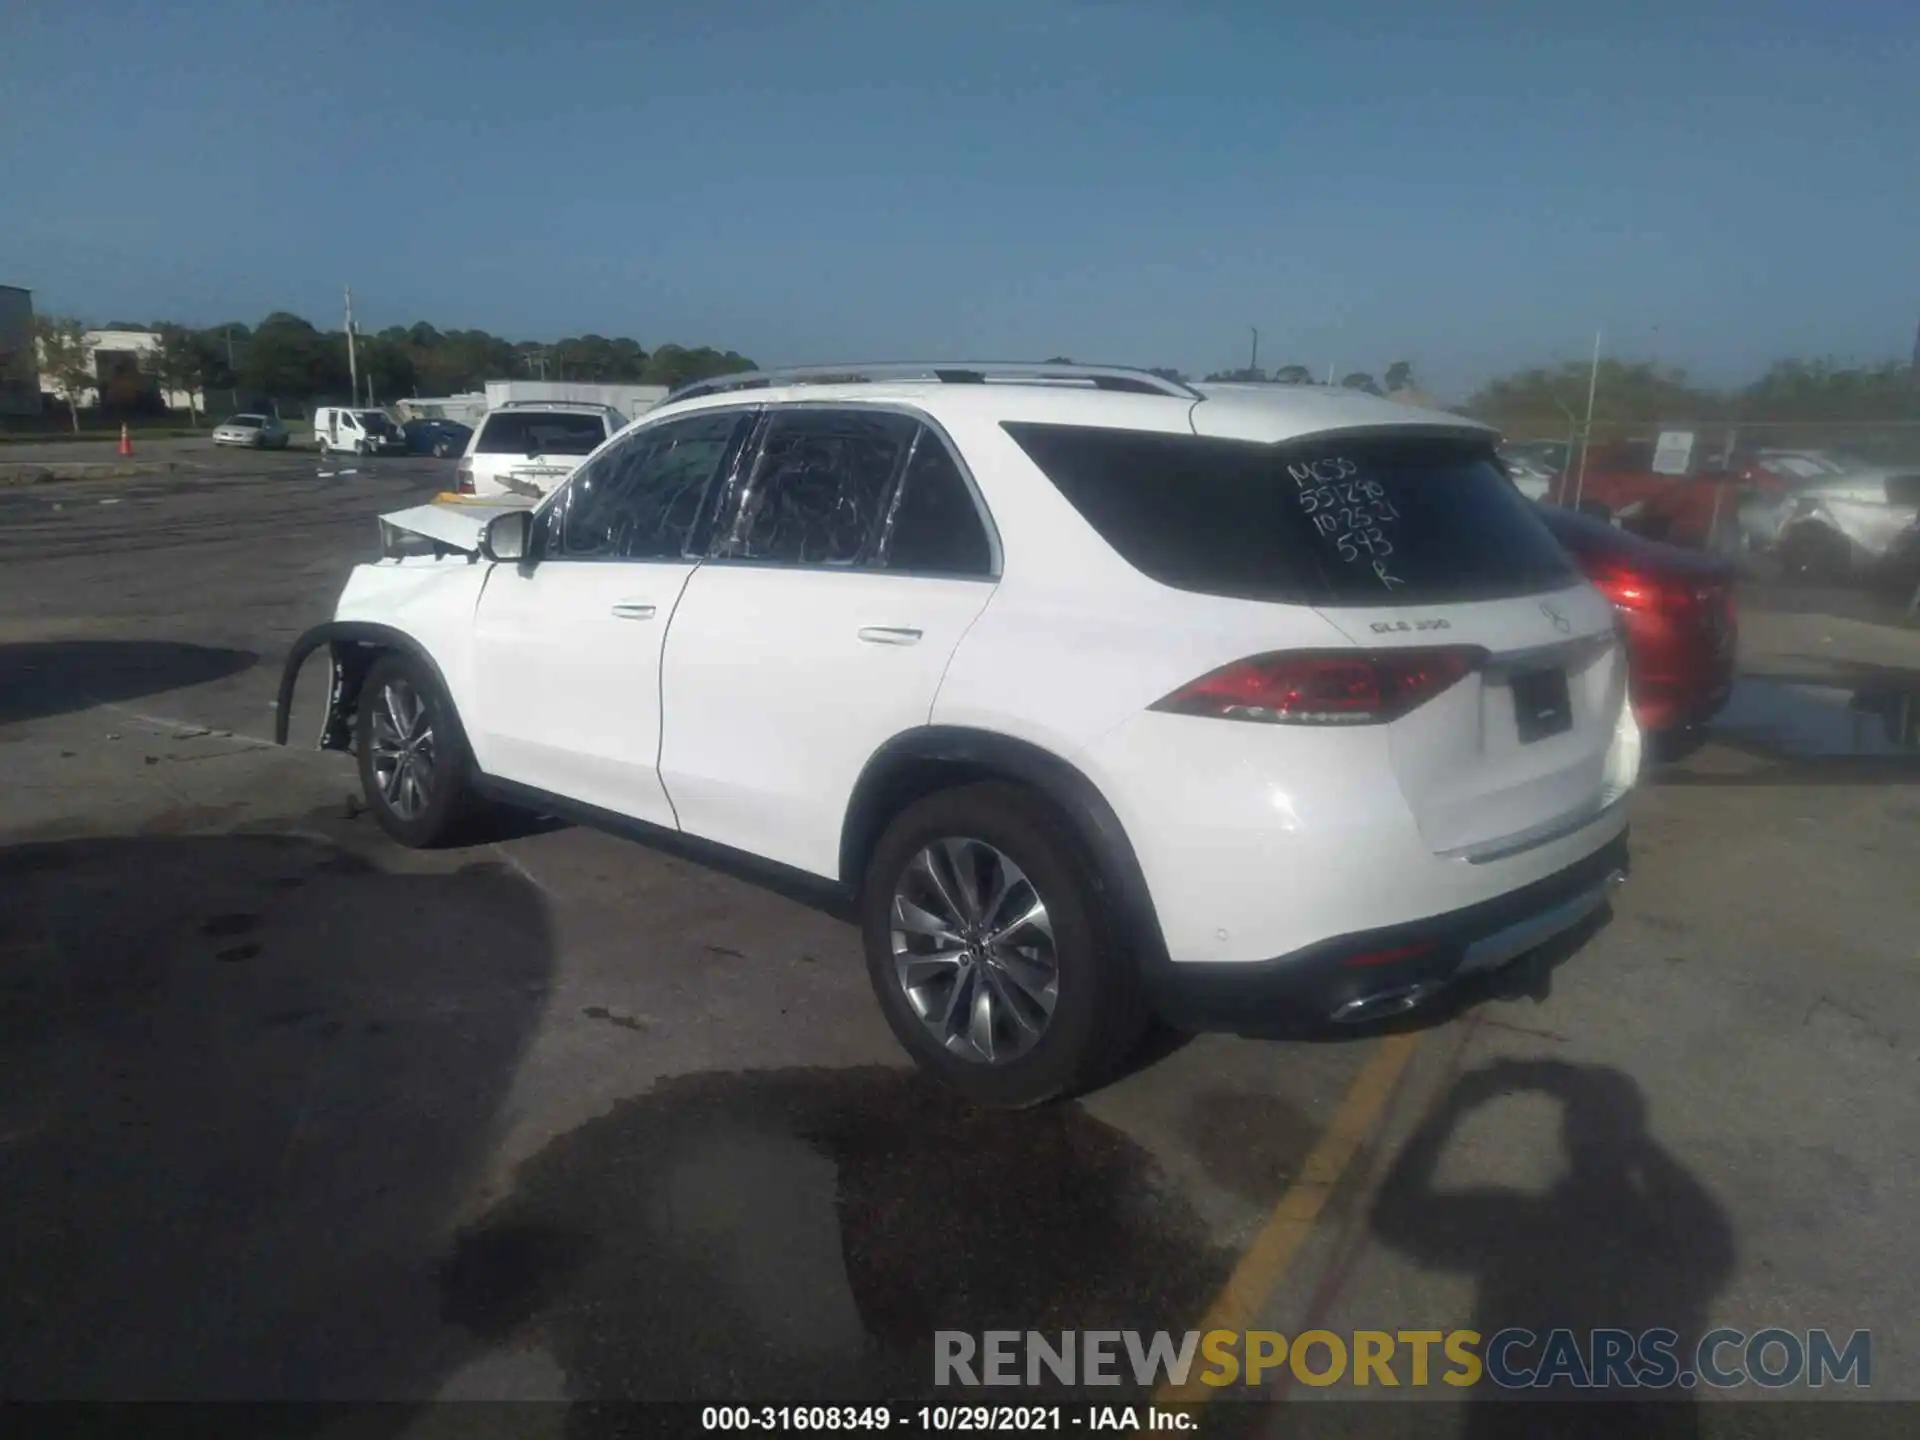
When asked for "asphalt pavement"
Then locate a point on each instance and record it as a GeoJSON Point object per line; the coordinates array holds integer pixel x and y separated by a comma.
{"type": "Point", "coordinates": [288, 1112]}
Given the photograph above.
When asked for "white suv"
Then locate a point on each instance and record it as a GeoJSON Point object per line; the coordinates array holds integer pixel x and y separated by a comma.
{"type": "Point", "coordinates": [528, 447]}
{"type": "Point", "coordinates": [1095, 695]}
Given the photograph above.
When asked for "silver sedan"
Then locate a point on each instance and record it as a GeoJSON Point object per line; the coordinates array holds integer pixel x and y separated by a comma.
{"type": "Point", "coordinates": [259, 432]}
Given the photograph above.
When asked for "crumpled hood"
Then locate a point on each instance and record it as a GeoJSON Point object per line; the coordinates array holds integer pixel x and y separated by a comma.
{"type": "Point", "coordinates": [453, 520]}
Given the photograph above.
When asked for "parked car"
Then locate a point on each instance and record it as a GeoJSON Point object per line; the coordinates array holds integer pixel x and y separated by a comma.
{"type": "Point", "coordinates": [259, 432]}
{"type": "Point", "coordinates": [1534, 479]}
{"type": "Point", "coordinates": [1548, 456]}
{"type": "Point", "coordinates": [357, 432]}
{"type": "Point", "coordinates": [436, 437]}
{"type": "Point", "coordinates": [1836, 528]}
{"type": "Point", "coordinates": [1677, 611]}
{"type": "Point", "coordinates": [1095, 697]}
{"type": "Point", "coordinates": [529, 447]}
{"type": "Point", "coordinates": [1619, 483]}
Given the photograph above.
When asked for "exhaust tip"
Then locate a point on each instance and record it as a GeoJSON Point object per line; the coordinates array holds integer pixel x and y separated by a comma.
{"type": "Point", "coordinates": [1385, 1003]}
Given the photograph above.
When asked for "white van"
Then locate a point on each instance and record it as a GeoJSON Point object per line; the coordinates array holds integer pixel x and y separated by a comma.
{"type": "Point", "coordinates": [528, 447]}
{"type": "Point", "coordinates": [357, 432]}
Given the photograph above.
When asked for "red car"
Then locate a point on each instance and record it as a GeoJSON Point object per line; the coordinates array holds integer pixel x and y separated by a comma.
{"type": "Point", "coordinates": [1676, 607]}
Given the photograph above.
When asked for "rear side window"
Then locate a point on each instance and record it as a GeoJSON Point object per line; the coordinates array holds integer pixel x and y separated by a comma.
{"type": "Point", "coordinates": [532, 432]}
{"type": "Point", "coordinates": [936, 527]}
{"type": "Point", "coordinates": [1334, 521]}
{"type": "Point", "coordinates": [820, 488]}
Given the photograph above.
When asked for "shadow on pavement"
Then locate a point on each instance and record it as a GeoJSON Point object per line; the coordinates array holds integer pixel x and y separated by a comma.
{"type": "Point", "coordinates": [1852, 724]}
{"type": "Point", "coordinates": [57, 677]}
{"type": "Point", "coordinates": [244, 1082]}
{"type": "Point", "coordinates": [799, 1234]}
{"type": "Point", "coordinates": [1626, 1238]}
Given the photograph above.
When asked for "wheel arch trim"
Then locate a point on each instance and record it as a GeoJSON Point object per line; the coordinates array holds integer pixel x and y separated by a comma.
{"type": "Point", "coordinates": [1064, 785]}
{"type": "Point", "coordinates": [352, 647]}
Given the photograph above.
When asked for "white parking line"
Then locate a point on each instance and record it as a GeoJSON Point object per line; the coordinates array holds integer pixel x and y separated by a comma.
{"type": "Point", "coordinates": [186, 729]}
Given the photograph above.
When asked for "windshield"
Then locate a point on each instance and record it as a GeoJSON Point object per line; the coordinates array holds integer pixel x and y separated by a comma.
{"type": "Point", "coordinates": [247, 422]}
{"type": "Point", "coordinates": [374, 422]}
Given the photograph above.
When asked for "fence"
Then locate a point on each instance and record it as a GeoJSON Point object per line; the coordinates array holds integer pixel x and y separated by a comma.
{"type": "Point", "coordinates": [1854, 442]}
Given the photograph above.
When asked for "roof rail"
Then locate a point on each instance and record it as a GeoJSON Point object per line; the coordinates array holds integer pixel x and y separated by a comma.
{"type": "Point", "coordinates": [1099, 377]}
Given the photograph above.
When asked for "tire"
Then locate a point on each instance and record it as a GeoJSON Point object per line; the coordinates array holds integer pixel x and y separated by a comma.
{"type": "Point", "coordinates": [323, 448]}
{"type": "Point", "coordinates": [1813, 554]}
{"type": "Point", "coordinates": [416, 821]}
{"type": "Point", "coordinates": [1097, 1011]}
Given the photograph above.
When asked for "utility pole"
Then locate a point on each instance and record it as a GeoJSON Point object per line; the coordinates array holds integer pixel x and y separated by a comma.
{"type": "Point", "coordinates": [230, 375]}
{"type": "Point", "coordinates": [353, 362]}
{"type": "Point", "coordinates": [1254, 363]}
{"type": "Point", "coordinates": [1586, 436]}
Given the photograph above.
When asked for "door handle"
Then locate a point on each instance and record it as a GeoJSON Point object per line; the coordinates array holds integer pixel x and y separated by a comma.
{"type": "Point", "coordinates": [889, 634]}
{"type": "Point", "coordinates": [632, 610]}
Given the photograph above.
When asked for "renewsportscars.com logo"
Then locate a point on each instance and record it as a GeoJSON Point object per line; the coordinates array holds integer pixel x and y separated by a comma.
{"type": "Point", "coordinates": [1513, 1359]}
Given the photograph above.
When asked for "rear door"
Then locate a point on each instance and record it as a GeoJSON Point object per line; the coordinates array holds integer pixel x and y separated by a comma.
{"type": "Point", "coordinates": [842, 577]}
{"type": "Point", "coordinates": [568, 647]}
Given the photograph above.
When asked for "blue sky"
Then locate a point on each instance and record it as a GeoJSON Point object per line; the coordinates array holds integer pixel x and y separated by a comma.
{"type": "Point", "coordinates": [1474, 186]}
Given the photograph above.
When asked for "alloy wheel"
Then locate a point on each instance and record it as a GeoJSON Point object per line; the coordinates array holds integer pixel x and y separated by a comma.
{"type": "Point", "coordinates": [973, 950]}
{"type": "Point", "coordinates": [403, 749]}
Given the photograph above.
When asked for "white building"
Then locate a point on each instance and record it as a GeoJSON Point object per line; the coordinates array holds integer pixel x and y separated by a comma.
{"type": "Point", "coordinates": [124, 352]}
{"type": "Point", "coordinates": [629, 400]}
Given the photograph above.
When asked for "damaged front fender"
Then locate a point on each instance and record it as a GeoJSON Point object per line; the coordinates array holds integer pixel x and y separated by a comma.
{"type": "Point", "coordinates": [352, 647]}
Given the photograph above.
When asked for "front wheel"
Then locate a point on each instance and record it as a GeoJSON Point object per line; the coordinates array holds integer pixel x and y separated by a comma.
{"type": "Point", "coordinates": [991, 954]}
{"type": "Point", "coordinates": [413, 759]}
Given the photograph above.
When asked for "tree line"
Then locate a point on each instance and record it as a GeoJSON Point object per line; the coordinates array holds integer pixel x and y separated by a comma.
{"type": "Point", "coordinates": [286, 359]}
{"type": "Point", "coordinates": [1641, 391]}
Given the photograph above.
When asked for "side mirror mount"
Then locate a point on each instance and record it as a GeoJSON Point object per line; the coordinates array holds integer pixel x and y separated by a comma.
{"type": "Point", "coordinates": [506, 536]}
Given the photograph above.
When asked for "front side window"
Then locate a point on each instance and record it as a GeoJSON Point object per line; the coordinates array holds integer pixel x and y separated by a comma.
{"type": "Point", "coordinates": [640, 499]}
{"type": "Point", "coordinates": [820, 488]}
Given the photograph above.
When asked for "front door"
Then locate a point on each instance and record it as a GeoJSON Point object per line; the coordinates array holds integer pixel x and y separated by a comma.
{"type": "Point", "coordinates": [844, 574]}
{"type": "Point", "coordinates": [568, 647]}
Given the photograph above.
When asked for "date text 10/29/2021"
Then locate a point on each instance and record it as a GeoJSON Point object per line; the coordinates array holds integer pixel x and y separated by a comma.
{"type": "Point", "coordinates": [924, 1419]}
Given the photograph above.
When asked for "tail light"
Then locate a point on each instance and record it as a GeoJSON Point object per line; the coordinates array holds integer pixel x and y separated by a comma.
{"type": "Point", "coordinates": [1631, 590]}
{"type": "Point", "coordinates": [463, 477]}
{"type": "Point", "coordinates": [1325, 687]}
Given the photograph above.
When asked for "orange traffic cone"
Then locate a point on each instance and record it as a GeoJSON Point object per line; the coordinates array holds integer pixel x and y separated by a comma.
{"type": "Point", "coordinates": [126, 441]}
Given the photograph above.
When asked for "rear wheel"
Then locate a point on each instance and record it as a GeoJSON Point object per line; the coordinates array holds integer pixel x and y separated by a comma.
{"type": "Point", "coordinates": [992, 957]}
{"type": "Point", "coordinates": [1816, 555]}
{"type": "Point", "coordinates": [413, 759]}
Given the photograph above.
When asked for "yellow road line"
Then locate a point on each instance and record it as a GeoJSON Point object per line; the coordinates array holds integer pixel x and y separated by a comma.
{"type": "Point", "coordinates": [1264, 1265]}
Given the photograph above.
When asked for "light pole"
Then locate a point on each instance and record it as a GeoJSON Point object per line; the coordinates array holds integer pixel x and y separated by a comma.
{"type": "Point", "coordinates": [1586, 437]}
{"type": "Point", "coordinates": [1254, 363]}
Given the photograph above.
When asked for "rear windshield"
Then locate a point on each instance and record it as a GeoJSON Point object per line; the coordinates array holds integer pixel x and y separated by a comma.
{"type": "Point", "coordinates": [1342, 521]}
{"type": "Point", "coordinates": [534, 432]}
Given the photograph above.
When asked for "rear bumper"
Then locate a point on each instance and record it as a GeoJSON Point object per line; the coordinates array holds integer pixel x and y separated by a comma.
{"type": "Point", "coordinates": [1679, 681]}
{"type": "Point", "coordinates": [1371, 973]}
